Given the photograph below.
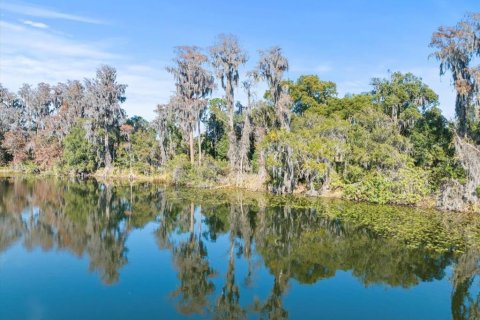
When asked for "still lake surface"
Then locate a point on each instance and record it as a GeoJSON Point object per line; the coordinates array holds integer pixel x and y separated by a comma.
{"type": "Point", "coordinates": [86, 250]}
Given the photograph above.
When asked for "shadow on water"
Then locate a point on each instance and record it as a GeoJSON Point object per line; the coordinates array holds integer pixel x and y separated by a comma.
{"type": "Point", "coordinates": [294, 243]}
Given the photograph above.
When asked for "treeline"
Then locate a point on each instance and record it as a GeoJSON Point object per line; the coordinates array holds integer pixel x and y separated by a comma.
{"type": "Point", "coordinates": [388, 145]}
{"type": "Point", "coordinates": [75, 125]}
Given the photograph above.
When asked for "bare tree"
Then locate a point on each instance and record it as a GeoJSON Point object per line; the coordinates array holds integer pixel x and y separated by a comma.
{"type": "Point", "coordinates": [104, 96]}
{"type": "Point", "coordinates": [227, 56]}
{"type": "Point", "coordinates": [193, 84]}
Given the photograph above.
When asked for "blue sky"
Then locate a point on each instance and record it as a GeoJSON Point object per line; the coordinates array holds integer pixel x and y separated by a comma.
{"type": "Point", "coordinates": [348, 42]}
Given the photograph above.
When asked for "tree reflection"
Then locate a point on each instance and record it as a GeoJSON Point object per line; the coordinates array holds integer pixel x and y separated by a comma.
{"type": "Point", "coordinates": [193, 270]}
{"type": "Point", "coordinates": [95, 219]}
{"type": "Point", "coordinates": [228, 303]}
{"type": "Point", "coordinates": [466, 287]}
{"type": "Point", "coordinates": [86, 219]}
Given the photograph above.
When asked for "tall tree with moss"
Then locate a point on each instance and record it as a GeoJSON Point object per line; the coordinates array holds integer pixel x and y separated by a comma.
{"type": "Point", "coordinates": [271, 67]}
{"type": "Point", "coordinates": [227, 56]}
{"type": "Point", "coordinates": [457, 49]}
{"type": "Point", "coordinates": [193, 84]}
{"type": "Point", "coordinates": [104, 98]}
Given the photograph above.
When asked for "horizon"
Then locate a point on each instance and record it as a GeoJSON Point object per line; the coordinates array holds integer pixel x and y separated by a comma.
{"type": "Point", "coordinates": [57, 41]}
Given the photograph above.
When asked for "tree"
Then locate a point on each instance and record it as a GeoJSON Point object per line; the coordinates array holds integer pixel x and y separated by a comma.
{"type": "Point", "coordinates": [309, 91]}
{"type": "Point", "coordinates": [138, 149]}
{"type": "Point", "coordinates": [167, 132]}
{"type": "Point", "coordinates": [11, 118]}
{"type": "Point", "coordinates": [403, 97]}
{"type": "Point", "coordinates": [71, 98]}
{"type": "Point", "coordinates": [26, 95]}
{"type": "Point", "coordinates": [271, 67]}
{"type": "Point", "coordinates": [42, 104]}
{"type": "Point", "coordinates": [458, 50]}
{"type": "Point", "coordinates": [78, 152]}
{"type": "Point", "coordinates": [227, 56]}
{"type": "Point", "coordinates": [457, 47]}
{"type": "Point", "coordinates": [216, 122]}
{"type": "Point", "coordinates": [193, 84]}
{"type": "Point", "coordinates": [104, 96]}
{"type": "Point", "coordinates": [126, 131]}
{"type": "Point", "coordinates": [15, 142]}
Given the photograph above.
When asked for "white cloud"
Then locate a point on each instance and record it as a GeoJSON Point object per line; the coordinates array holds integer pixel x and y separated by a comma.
{"type": "Point", "coordinates": [32, 11]}
{"type": "Point", "coordinates": [34, 55]}
{"type": "Point", "coordinates": [147, 87]}
{"type": "Point", "coordinates": [322, 69]}
{"type": "Point", "coordinates": [303, 67]}
{"type": "Point", "coordinates": [34, 24]}
{"type": "Point", "coordinates": [40, 42]}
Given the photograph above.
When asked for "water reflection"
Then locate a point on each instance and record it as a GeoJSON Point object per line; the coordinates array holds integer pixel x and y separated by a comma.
{"type": "Point", "coordinates": [95, 220]}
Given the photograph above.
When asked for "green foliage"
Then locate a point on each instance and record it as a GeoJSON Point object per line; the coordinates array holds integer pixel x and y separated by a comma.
{"type": "Point", "coordinates": [309, 91]}
{"type": "Point", "coordinates": [306, 154]}
{"type": "Point", "coordinates": [478, 191]}
{"type": "Point", "coordinates": [216, 119]}
{"type": "Point", "coordinates": [402, 92]}
{"type": "Point", "coordinates": [347, 106]}
{"type": "Point", "coordinates": [433, 149]}
{"type": "Point", "coordinates": [78, 154]}
{"type": "Point", "coordinates": [138, 123]}
{"type": "Point", "coordinates": [351, 144]}
{"type": "Point", "coordinates": [29, 167]}
{"type": "Point", "coordinates": [406, 186]}
{"type": "Point", "coordinates": [206, 175]}
{"type": "Point", "coordinates": [140, 152]}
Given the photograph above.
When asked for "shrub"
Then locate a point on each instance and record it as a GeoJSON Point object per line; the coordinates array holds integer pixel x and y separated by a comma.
{"type": "Point", "coordinates": [78, 153]}
{"type": "Point", "coordinates": [208, 174]}
{"type": "Point", "coordinates": [405, 186]}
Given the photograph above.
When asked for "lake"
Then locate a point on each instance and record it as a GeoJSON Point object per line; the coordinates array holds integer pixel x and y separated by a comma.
{"type": "Point", "coordinates": [89, 250]}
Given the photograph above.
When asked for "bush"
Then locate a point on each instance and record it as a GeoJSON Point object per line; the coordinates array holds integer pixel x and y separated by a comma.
{"type": "Point", "coordinates": [141, 153]}
{"type": "Point", "coordinates": [207, 175]}
{"type": "Point", "coordinates": [406, 186]}
{"type": "Point", "coordinates": [78, 153]}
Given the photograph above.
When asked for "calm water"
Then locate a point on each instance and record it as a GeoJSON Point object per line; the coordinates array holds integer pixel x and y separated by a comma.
{"type": "Point", "coordinates": [89, 251]}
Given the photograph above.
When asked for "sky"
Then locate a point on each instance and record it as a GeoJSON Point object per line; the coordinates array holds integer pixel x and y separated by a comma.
{"type": "Point", "coordinates": [347, 42]}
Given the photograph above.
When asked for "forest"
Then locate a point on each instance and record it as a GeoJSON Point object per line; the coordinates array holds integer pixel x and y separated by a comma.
{"type": "Point", "coordinates": [388, 145]}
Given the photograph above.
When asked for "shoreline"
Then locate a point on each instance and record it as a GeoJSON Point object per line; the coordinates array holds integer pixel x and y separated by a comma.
{"type": "Point", "coordinates": [437, 231]}
{"type": "Point", "coordinates": [120, 176]}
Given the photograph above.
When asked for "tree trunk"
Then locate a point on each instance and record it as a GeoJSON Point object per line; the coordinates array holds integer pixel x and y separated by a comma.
{"type": "Point", "coordinates": [460, 109]}
{"type": "Point", "coordinates": [261, 154]}
{"type": "Point", "coordinates": [199, 145]}
{"type": "Point", "coordinates": [108, 157]}
{"type": "Point", "coordinates": [192, 156]}
{"type": "Point", "coordinates": [231, 130]}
